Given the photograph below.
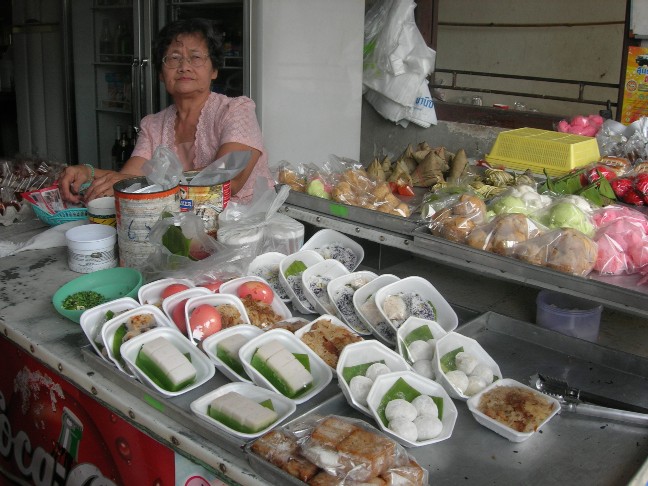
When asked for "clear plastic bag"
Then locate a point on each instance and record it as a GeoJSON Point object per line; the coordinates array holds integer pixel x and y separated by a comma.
{"type": "Point", "coordinates": [565, 250]}
{"type": "Point", "coordinates": [567, 212]}
{"type": "Point", "coordinates": [457, 221]}
{"type": "Point", "coordinates": [257, 224]}
{"type": "Point", "coordinates": [503, 233]}
{"type": "Point", "coordinates": [164, 170]}
{"type": "Point", "coordinates": [182, 248]}
{"type": "Point", "coordinates": [336, 450]}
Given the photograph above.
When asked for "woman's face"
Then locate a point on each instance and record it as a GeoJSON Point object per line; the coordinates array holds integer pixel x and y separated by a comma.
{"type": "Point", "coordinates": [186, 79]}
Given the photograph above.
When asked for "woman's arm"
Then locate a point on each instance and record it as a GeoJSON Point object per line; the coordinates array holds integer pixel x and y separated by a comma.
{"type": "Point", "coordinates": [237, 183]}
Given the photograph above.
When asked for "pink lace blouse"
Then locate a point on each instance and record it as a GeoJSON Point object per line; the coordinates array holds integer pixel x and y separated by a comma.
{"type": "Point", "coordinates": [222, 120]}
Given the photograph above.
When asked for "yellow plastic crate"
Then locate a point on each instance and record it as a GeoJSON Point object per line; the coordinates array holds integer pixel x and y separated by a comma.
{"type": "Point", "coordinates": [535, 149]}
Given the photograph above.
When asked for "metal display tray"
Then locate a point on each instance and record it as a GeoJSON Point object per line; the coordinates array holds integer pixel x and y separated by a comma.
{"type": "Point", "coordinates": [622, 293]}
{"type": "Point", "coordinates": [571, 449]}
{"type": "Point", "coordinates": [178, 408]}
{"type": "Point", "coordinates": [354, 214]}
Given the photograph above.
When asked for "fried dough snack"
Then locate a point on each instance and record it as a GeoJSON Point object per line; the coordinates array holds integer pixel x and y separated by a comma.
{"type": "Point", "coordinates": [503, 233]}
{"type": "Point", "coordinates": [456, 222]}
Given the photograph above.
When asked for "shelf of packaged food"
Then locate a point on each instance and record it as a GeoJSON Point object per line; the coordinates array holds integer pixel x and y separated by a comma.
{"type": "Point", "coordinates": [621, 293]}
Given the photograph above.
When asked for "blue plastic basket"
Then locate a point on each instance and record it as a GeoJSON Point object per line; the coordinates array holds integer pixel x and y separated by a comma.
{"type": "Point", "coordinates": [65, 216]}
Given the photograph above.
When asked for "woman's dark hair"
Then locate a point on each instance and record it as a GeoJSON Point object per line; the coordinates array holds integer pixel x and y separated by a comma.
{"type": "Point", "coordinates": [202, 27]}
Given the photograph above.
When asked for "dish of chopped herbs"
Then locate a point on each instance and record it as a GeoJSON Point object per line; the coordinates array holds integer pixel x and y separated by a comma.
{"type": "Point", "coordinates": [83, 300]}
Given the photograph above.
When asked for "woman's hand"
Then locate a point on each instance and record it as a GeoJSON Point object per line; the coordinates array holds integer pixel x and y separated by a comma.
{"type": "Point", "coordinates": [70, 181]}
{"type": "Point", "coordinates": [103, 185]}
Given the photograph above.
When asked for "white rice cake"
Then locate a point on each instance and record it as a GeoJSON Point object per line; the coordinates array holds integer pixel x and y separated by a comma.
{"type": "Point", "coordinates": [284, 364]}
{"type": "Point", "coordinates": [232, 344]}
{"type": "Point", "coordinates": [175, 365]}
{"type": "Point", "coordinates": [244, 411]}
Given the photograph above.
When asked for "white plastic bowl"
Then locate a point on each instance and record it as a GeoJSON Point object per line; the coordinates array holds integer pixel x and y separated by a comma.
{"type": "Point", "coordinates": [337, 322]}
{"type": "Point", "coordinates": [412, 323]}
{"type": "Point", "coordinates": [92, 320]}
{"type": "Point", "coordinates": [278, 306]}
{"type": "Point", "coordinates": [308, 258]}
{"type": "Point", "coordinates": [266, 266]}
{"type": "Point", "coordinates": [328, 268]}
{"type": "Point", "coordinates": [366, 352]}
{"type": "Point", "coordinates": [445, 315]}
{"type": "Point", "coordinates": [498, 427]}
{"type": "Point", "coordinates": [328, 237]}
{"type": "Point", "coordinates": [282, 406]}
{"type": "Point", "coordinates": [426, 387]}
{"type": "Point", "coordinates": [109, 328]}
{"type": "Point", "coordinates": [213, 300]}
{"type": "Point", "coordinates": [210, 343]}
{"type": "Point", "coordinates": [204, 368]}
{"type": "Point", "coordinates": [336, 285]}
{"type": "Point", "coordinates": [151, 293]}
{"type": "Point", "coordinates": [322, 374]}
{"type": "Point", "coordinates": [383, 331]}
{"type": "Point", "coordinates": [452, 341]}
{"type": "Point", "coordinates": [169, 304]}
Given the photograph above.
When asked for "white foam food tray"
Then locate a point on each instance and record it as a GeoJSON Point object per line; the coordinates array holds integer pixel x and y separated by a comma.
{"type": "Point", "coordinates": [209, 346]}
{"type": "Point", "coordinates": [204, 367]}
{"type": "Point", "coordinates": [345, 308]}
{"type": "Point", "coordinates": [445, 315]}
{"type": "Point", "coordinates": [329, 269]}
{"type": "Point", "coordinates": [282, 406]}
{"type": "Point", "coordinates": [322, 374]}
{"type": "Point", "coordinates": [381, 329]}
{"type": "Point", "coordinates": [278, 306]}
{"type": "Point", "coordinates": [424, 386]}
{"type": "Point", "coordinates": [328, 237]}
{"type": "Point", "coordinates": [109, 328]}
{"type": "Point", "coordinates": [214, 300]}
{"type": "Point", "coordinates": [308, 258]}
{"type": "Point", "coordinates": [363, 352]}
{"type": "Point", "coordinates": [151, 293]}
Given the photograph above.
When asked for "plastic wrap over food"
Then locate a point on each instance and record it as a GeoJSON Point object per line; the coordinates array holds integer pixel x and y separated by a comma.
{"type": "Point", "coordinates": [457, 221]}
{"type": "Point", "coordinates": [567, 212]}
{"type": "Point", "coordinates": [334, 450]}
{"type": "Point", "coordinates": [522, 199]}
{"type": "Point", "coordinates": [294, 176]}
{"type": "Point", "coordinates": [566, 250]}
{"type": "Point", "coordinates": [622, 239]}
{"type": "Point", "coordinates": [503, 233]}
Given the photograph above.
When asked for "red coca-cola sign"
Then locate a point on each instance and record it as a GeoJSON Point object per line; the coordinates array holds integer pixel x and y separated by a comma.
{"type": "Point", "coordinates": [51, 433]}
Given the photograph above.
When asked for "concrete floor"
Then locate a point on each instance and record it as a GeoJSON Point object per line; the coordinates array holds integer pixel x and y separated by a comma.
{"type": "Point", "coordinates": [472, 294]}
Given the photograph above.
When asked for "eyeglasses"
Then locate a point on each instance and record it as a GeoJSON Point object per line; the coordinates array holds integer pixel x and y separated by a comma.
{"type": "Point", "coordinates": [175, 60]}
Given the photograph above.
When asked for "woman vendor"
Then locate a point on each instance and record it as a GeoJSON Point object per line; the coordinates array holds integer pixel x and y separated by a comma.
{"type": "Point", "coordinates": [200, 126]}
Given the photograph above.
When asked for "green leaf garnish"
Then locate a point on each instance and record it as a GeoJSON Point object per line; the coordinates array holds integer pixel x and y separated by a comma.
{"type": "Point", "coordinates": [447, 361]}
{"type": "Point", "coordinates": [402, 389]}
{"type": "Point", "coordinates": [267, 404]}
{"type": "Point", "coordinates": [421, 333]}
{"type": "Point", "coordinates": [348, 372]}
{"type": "Point", "coordinates": [295, 268]}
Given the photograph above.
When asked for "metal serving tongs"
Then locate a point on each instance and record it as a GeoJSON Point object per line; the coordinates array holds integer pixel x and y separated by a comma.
{"type": "Point", "coordinates": [585, 403]}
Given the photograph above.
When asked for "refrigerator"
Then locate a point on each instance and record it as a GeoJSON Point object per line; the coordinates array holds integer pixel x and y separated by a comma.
{"type": "Point", "coordinates": [299, 60]}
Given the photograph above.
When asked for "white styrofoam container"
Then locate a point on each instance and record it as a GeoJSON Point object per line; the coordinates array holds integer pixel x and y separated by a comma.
{"type": "Point", "coordinates": [337, 322]}
{"type": "Point", "coordinates": [151, 293]}
{"type": "Point", "coordinates": [93, 319]}
{"type": "Point", "coordinates": [498, 427]}
{"type": "Point", "coordinates": [266, 266]}
{"type": "Point", "coordinates": [384, 332]}
{"type": "Point", "coordinates": [412, 323]}
{"type": "Point", "coordinates": [445, 315]}
{"type": "Point", "coordinates": [170, 303]}
{"type": "Point", "coordinates": [426, 387]}
{"type": "Point", "coordinates": [210, 343]}
{"type": "Point", "coordinates": [204, 368]}
{"type": "Point", "coordinates": [213, 300]}
{"type": "Point", "coordinates": [366, 352]}
{"type": "Point", "coordinates": [109, 328]}
{"type": "Point", "coordinates": [322, 374]}
{"type": "Point", "coordinates": [452, 341]}
{"type": "Point", "coordinates": [278, 306]}
{"type": "Point", "coordinates": [328, 268]}
{"type": "Point", "coordinates": [338, 283]}
{"type": "Point", "coordinates": [282, 406]}
{"type": "Point", "coordinates": [329, 236]}
{"type": "Point", "coordinates": [308, 258]}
